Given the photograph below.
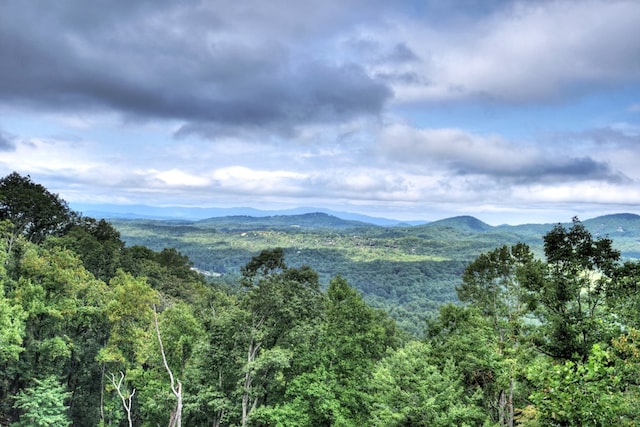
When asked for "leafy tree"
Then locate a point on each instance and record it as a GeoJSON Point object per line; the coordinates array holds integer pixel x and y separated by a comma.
{"type": "Point", "coordinates": [568, 296]}
{"type": "Point", "coordinates": [334, 389]}
{"type": "Point", "coordinates": [167, 271]}
{"type": "Point", "coordinates": [217, 364]}
{"type": "Point", "coordinates": [130, 317]}
{"type": "Point", "coordinates": [32, 210]}
{"type": "Point", "coordinates": [279, 301]}
{"type": "Point", "coordinates": [492, 283]}
{"type": "Point", "coordinates": [162, 384]}
{"type": "Point", "coordinates": [466, 338]}
{"type": "Point", "coordinates": [579, 393]}
{"type": "Point", "coordinates": [97, 243]}
{"type": "Point", "coordinates": [43, 404]}
{"type": "Point", "coordinates": [64, 324]}
{"type": "Point", "coordinates": [12, 316]}
{"type": "Point", "coordinates": [623, 296]}
{"type": "Point", "coordinates": [410, 390]}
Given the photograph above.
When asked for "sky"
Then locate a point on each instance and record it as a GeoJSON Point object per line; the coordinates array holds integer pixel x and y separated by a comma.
{"type": "Point", "coordinates": [510, 111]}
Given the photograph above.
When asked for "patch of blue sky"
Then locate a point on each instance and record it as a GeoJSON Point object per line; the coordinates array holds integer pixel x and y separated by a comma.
{"type": "Point", "coordinates": [529, 122]}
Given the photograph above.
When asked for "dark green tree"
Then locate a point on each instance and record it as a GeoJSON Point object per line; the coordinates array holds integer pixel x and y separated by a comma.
{"type": "Point", "coordinates": [279, 301]}
{"type": "Point", "coordinates": [33, 211]}
{"type": "Point", "coordinates": [569, 295]}
{"type": "Point", "coordinates": [97, 243]}
{"type": "Point", "coordinates": [335, 387]}
{"type": "Point", "coordinates": [64, 325]}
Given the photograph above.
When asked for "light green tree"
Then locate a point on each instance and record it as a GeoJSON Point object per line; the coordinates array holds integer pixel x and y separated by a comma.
{"type": "Point", "coordinates": [581, 393]}
{"type": "Point", "coordinates": [493, 284]}
{"type": "Point", "coordinates": [43, 404]}
{"type": "Point", "coordinates": [410, 390]}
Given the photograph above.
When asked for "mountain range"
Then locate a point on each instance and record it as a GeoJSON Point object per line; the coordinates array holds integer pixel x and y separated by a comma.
{"type": "Point", "coordinates": [409, 270]}
{"type": "Point", "coordinates": [194, 214]}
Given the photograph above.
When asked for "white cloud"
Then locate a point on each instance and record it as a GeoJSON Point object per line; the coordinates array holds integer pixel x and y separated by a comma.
{"type": "Point", "coordinates": [39, 155]}
{"type": "Point", "coordinates": [530, 51]}
{"type": "Point", "coordinates": [449, 146]}
{"type": "Point", "coordinates": [246, 180]}
{"type": "Point", "coordinates": [178, 178]}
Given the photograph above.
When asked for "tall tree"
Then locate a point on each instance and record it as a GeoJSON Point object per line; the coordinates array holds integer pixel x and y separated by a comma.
{"type": "Point", "coordinates": [568, 296]}
{"type": "Point", "coordinates": [64, 326]}
{"type": "Point", "coordinates": [130, 317]}
{"type": "Point", "coordinates": [492, 283]}
{"type": "Point", "coordinates": [335, 387]}
{"type": "Point", "coordinates": [278, 301]}
{"type": "Point", "coordinates": [34, 211]}
{"type": "Point", "coordinates": [12, 316]}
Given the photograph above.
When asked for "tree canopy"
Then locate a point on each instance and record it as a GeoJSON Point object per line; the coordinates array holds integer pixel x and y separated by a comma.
{"type": "Point", "coordinates": [95, 332]}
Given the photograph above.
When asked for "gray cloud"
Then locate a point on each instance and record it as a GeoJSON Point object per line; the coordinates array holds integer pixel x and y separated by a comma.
{"type": "Point", "coordinates": [462, 153]}
{"type": "Point", "coordinates": [548, 171]}
{"type": "Point", "coordinates": [606, 136]}
{"type": "Point", "coordinates": [6, 142]}
{"type": "Point", "coordinates": [191, 63]}
{"type": "Point", "coordinates": [239, 81]}
{"type": "Point", "coordinates": [520, 52]}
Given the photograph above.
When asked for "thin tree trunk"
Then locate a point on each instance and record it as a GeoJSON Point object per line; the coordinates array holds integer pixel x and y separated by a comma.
{"type": "Point", "coordinates": [175, 420]}
{"type": "Point", "coordinates": [502, 403]}
{"type": "Point", "coordinates": [510, 404]}
{"type": "Point", "coordinates": [248, 381]}
{"type": "Point", "coordinates": [127, 401]}
{"type": "Point", "coordinates": [102, 394]}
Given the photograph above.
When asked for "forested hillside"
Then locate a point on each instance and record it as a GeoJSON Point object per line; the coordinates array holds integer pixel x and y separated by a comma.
{"type": "Point", "coordinates": [94, 332]}
{"type": "Point", "coordinates": [408, 271]}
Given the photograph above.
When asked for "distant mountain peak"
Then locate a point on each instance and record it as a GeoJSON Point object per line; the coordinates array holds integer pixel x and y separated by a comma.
{"type": "Point", "coordinates": [464, 222]}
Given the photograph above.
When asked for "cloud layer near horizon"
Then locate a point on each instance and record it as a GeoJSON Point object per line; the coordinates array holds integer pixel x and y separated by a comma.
{"type": "Point", "coordinates": [406, 108]}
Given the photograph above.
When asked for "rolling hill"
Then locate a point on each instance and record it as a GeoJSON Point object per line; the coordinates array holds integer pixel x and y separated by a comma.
{"type": "Point", "coordinates": [407, 270]}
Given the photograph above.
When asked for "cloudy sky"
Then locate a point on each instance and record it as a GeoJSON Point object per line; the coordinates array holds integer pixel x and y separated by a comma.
{"type": "Point", "coordinates": [511, 111]}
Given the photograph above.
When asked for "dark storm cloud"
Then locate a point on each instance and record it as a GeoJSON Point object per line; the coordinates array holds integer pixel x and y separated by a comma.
{"type": "Point", "coordinates": [185, 61]}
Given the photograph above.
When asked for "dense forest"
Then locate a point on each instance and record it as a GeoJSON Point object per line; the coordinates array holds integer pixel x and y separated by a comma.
{"type": "Point", "coordinates": [96, 332]}
{"type": "Point", "coordinates": [408, 271]}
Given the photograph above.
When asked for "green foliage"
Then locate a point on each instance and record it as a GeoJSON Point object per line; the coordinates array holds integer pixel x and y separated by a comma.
{"type": "Point", "coordinates": [554, 340]}
{"type": "Point", "coordinates": [409, 272]}
{"type": "Point", "coordinates": [582, 393]}
{"type": "Point", "coordinates": [12, 316]}
{"type": "Point", "coordinates": [130, 315]}
{"type": "Point", "coordinates": [97, 243]}
{"type": "Point", "coordinates": [43, 404]}
{"type": "Point", "coordinates": [32, 210]}
{"type": "Point", "coordinates": [409, 389]}
{"type": "Point", "coordinates": [568, 295]}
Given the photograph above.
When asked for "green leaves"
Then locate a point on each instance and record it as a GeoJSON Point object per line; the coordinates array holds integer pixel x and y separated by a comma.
{"type": "Point", "coordinates": [33, 211]}
{"type": "Point", "coordinates": [582, 393]}
{"type": "Point", "coordinates": [409, 389]}
{"type": "Point", "coordinates": [569, 296]}
{"type": "Point", "coordinates": [43, 404]}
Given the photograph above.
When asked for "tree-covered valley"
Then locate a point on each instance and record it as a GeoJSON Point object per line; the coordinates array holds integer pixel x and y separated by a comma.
{"type": "Point", "coordinates": [409, 271]}
{"type": "Point", "coordinates": [317, 323]}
